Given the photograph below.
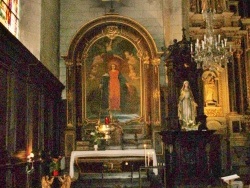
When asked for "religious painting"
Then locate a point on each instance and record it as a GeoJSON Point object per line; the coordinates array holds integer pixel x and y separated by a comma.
{"type": "Point", "coordinates": [113, 80]}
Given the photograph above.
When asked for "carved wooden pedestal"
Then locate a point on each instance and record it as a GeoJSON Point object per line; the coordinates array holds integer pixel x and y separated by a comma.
{"type": "Point", "coordinates": [187, 157]}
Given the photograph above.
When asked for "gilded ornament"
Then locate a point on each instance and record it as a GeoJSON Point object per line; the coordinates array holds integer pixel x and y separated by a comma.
{"type": "Point", "coordinates": [111, 31]}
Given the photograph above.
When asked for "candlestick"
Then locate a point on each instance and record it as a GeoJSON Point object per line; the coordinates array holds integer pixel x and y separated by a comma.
{"type": "Point", "coordinates": [145, 146]}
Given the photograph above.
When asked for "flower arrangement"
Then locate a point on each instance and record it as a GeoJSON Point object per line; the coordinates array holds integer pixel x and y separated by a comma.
{"type": "Point", "coordinates": [96, 136]}
{"type": "Point", "coordinates": [55, 166]}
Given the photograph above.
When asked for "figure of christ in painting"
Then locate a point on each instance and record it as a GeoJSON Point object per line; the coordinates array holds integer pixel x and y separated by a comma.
{"type": "Point", "coordinates": [113, 85]}
{"type": "Point", "coordinates": [114, 89]}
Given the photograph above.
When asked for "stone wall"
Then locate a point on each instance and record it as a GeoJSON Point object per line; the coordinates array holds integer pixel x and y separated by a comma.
{"type": "Point", "coordinates": [39, 31]}
{"type": "Point", "coordinates": [148, 13]}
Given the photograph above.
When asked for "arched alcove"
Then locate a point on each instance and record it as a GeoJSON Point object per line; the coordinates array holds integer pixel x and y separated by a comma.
{"type": "Point", "coordinates": [124, 43]}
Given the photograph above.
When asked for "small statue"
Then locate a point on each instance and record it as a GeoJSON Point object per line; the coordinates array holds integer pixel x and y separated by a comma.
{"type": "Point", "coordinates": [210, 88]}
{"type": "Point", "coordinates": [65, 180]}
{"type": "Point", "coordinates": [46, 182]}
{"type": "Point", "coordinates": [187, 106]}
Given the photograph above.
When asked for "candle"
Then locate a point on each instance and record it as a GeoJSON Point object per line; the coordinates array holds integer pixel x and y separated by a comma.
{"type": "Point", "coordinates": [106, 120]}
{"type": "Point", "coordinates": [210, 40]}
{"type": "Point", "coordinates": [152, 157]}
{"type": "Point", "coordinates": [145, 146]}
{"type": "Point", "coordinates": [148, 158]}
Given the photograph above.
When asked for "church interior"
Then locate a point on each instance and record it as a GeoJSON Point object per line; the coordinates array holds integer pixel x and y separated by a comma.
{"type": "Point", "coordinates": [125, 93]}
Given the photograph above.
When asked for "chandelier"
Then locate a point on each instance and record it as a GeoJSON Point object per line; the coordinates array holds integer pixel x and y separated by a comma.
{"type": "Point", "coordinates": [212, 52]}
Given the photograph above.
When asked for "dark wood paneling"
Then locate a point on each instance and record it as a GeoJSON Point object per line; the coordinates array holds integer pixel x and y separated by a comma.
{"type": "Point", "coordinates": [187, 157]}
{"type": "Point", "coordinates": [29, 109]}
{"type": "Point", "coordinates": [3, 106]}
{"type": "Point", "coordinates": [21, 113]}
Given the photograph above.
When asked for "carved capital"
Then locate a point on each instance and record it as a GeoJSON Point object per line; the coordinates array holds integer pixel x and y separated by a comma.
{"type": "Point", "coordinates": [156, 94]}
{"type": "Point", "coordinates": [78, 61]}
{"type": "Point", "coordinates": [156, 61]}
{"type": "Point", "coordinates": [145, 58]}
{"type": "Point", "coordinates": [68, 61]}
{"type": "Point", "coordinates": [238, 53]}
{"type": "Point", "coordinates": [70, 96]}
{"type": "Point", "coordinates": [69, 64]}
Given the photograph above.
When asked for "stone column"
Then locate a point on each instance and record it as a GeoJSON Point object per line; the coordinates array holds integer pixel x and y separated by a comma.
{"type": "Point", "coordinates": [201, 117]}
{"type": "Point", "coordinates": [70, 134]}
{"type": "Point", "coordinates": [172, 20]}
{"type": "Point", "coordinates": [156, 92]}
{"type": "Point", "coordinates": [146, 60]}
{"type": "Point", "coordinates": [238, 55]}
{"type": "Point", "coordinates": [247, 65]}
{"type": "Point", "coordinates": [231, 83]}
{"type": "Point", "coordinates": [246, 24]}
{"type": "Point", "coordinates": [78, 98]}
{"type": "Point", "coordinates": [70, 73]}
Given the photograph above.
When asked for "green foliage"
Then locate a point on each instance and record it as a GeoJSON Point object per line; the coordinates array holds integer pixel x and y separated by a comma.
{"type": "Point", "coordinates": [96, 136]}
{"type": "Point", "coordinates": [54, 165]}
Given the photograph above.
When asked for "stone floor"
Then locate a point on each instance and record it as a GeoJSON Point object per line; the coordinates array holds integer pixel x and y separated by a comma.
{"type": "Point", "coordinates": [125, 180]}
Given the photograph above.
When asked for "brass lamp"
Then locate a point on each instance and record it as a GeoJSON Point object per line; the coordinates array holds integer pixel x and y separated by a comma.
{"type": "Point", "coordinates": [106, 129]}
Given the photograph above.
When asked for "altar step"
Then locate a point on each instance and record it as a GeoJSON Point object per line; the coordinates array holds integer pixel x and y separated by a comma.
{"type": "Point", "coordinates": [134, 137]}
{"type": "Point", "coordinates": [111, 183]}
{"type": "Point", "coordinates": [111, 180]}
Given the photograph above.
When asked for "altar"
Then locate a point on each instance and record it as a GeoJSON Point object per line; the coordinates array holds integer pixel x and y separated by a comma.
{"type": "Point", "coordinates": [106, 154]}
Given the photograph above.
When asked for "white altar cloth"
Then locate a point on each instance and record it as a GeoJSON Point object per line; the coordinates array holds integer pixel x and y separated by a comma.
{"type": "Point", "coordinates": [111, 153]}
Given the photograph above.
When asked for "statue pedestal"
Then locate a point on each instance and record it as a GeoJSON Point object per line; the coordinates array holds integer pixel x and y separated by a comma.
{"type": "Point", "coordinates": [187, 157]}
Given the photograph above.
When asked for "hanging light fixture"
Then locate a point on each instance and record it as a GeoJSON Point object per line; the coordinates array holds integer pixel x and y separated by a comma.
{"type": "Point", "coordinates": [212, 52]}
